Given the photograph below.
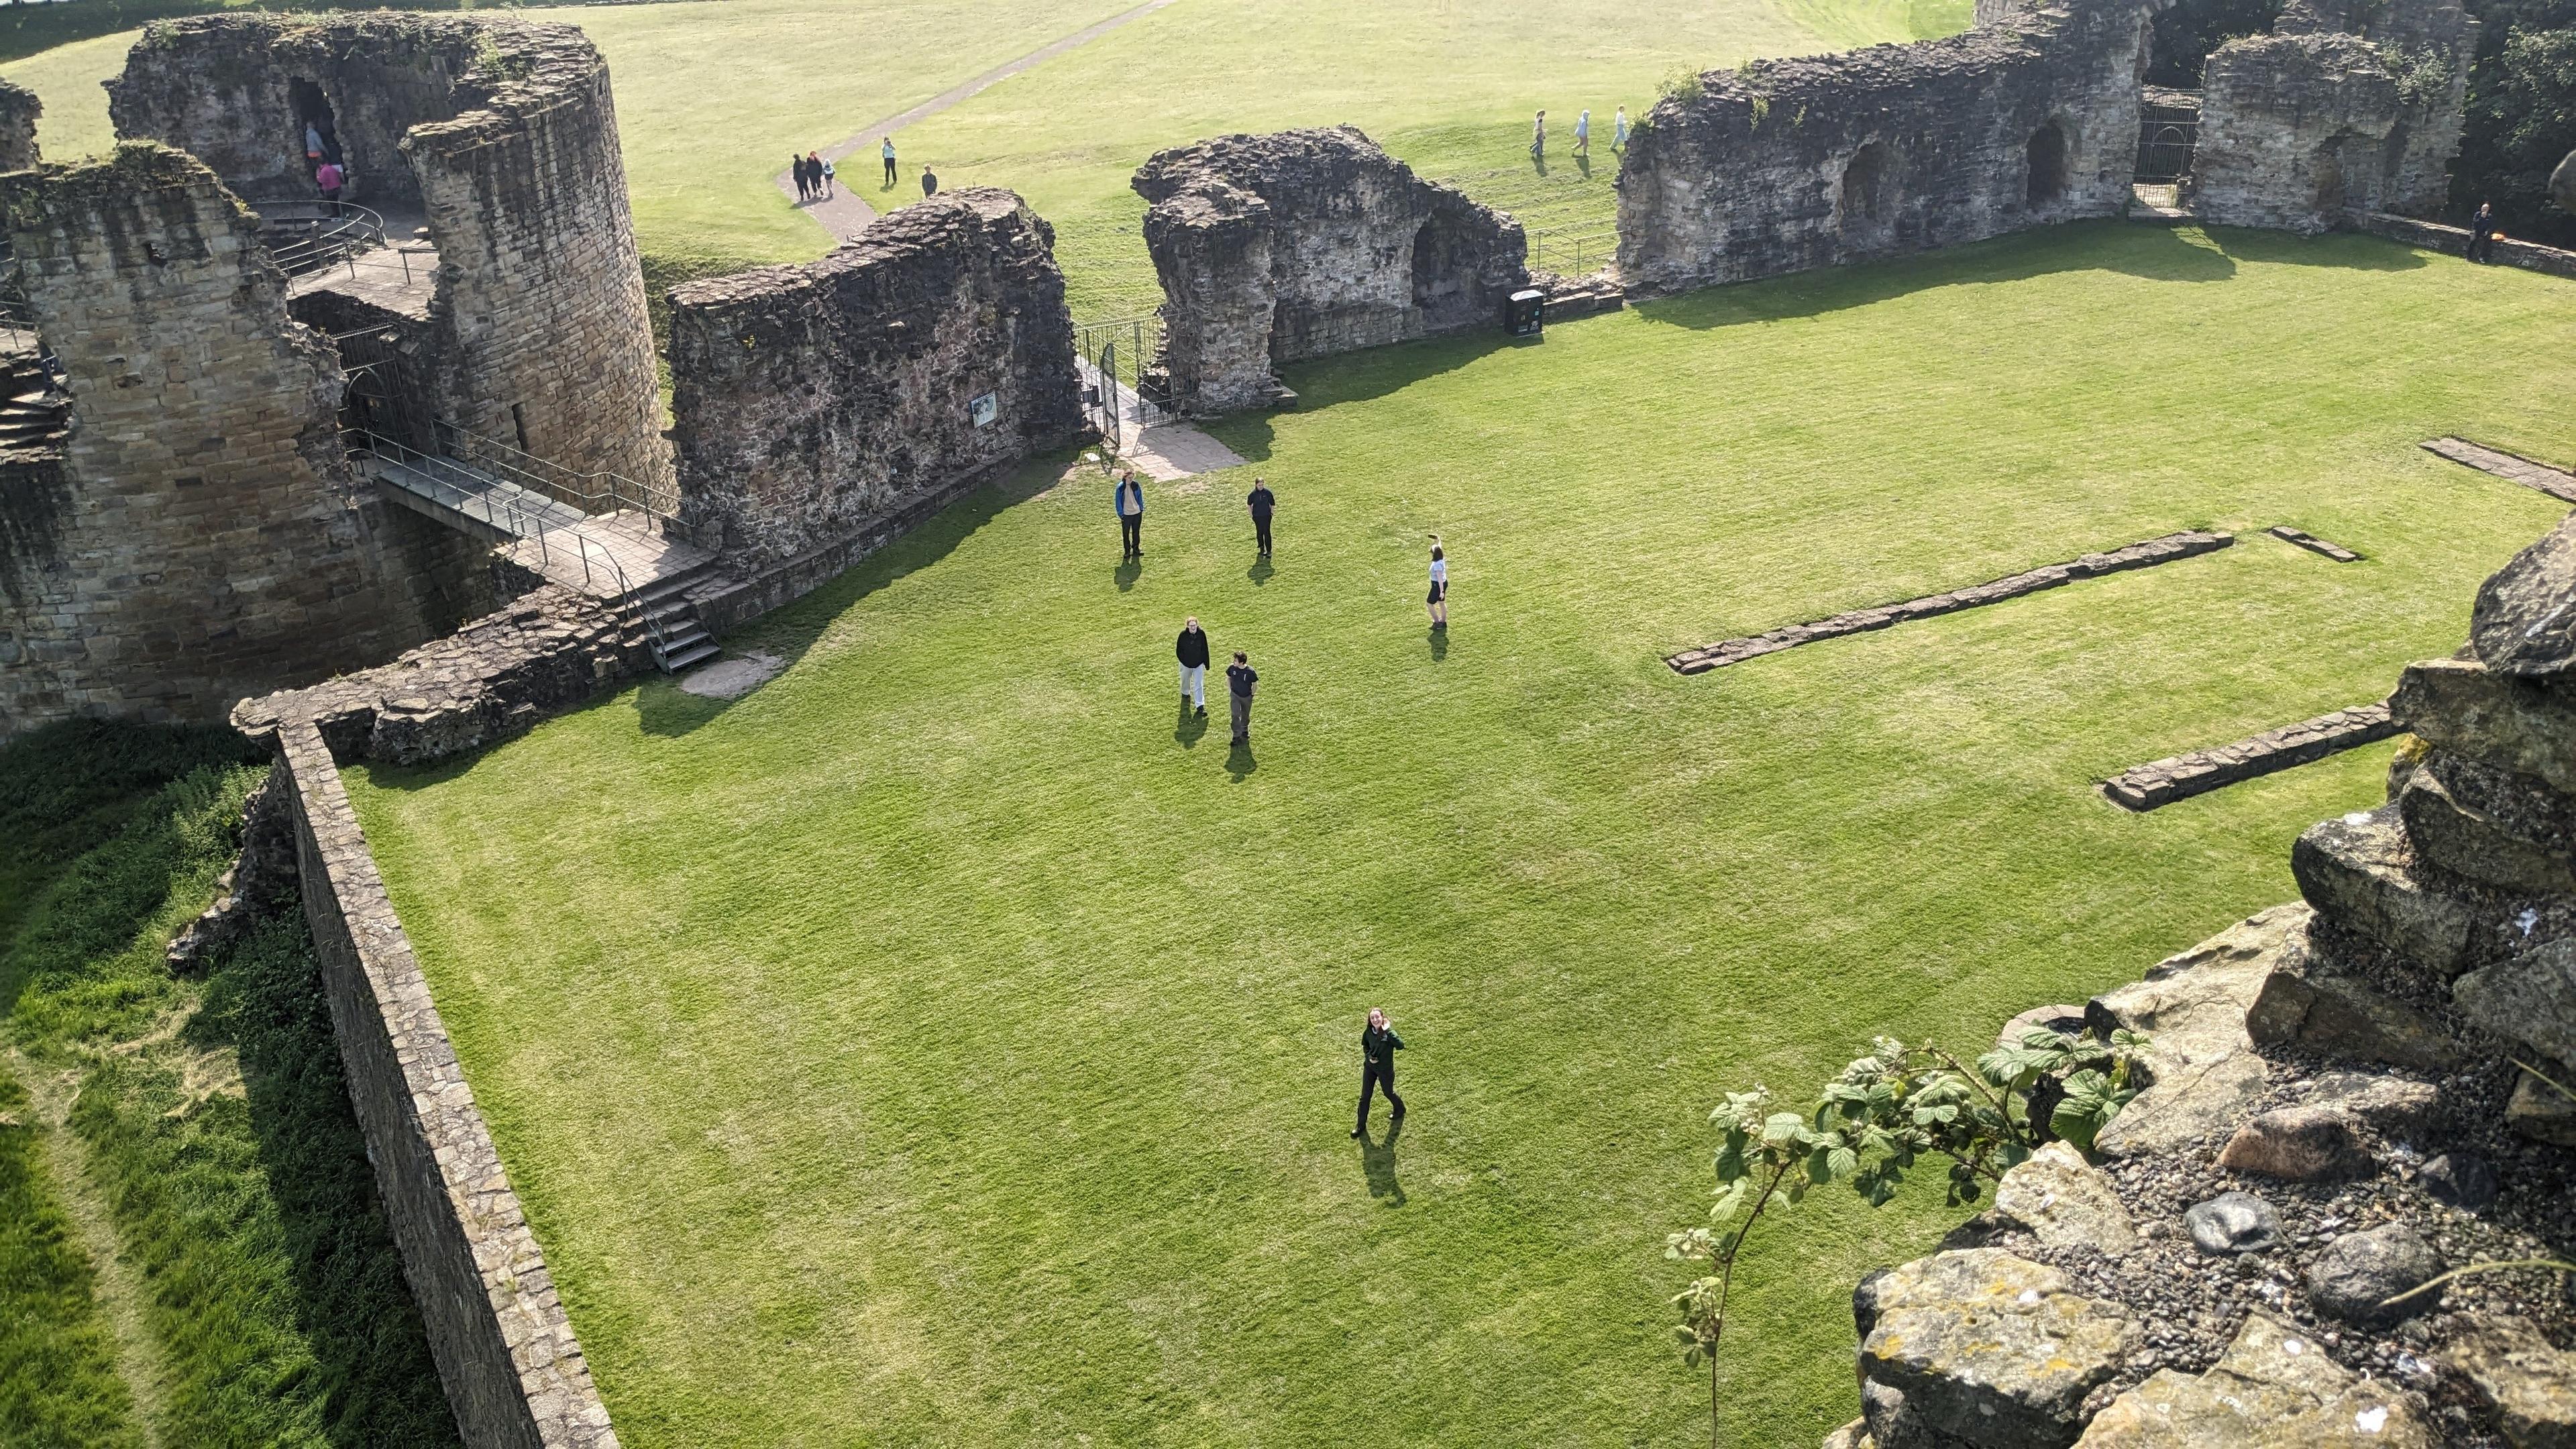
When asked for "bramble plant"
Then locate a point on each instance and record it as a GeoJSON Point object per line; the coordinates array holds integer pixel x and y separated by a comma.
{"type": "Point", "coordinates": [1871, 1125]}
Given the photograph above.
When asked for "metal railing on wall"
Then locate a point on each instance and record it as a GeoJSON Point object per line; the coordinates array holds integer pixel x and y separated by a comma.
{"type": "Point", "coordinates": [601, 492]}
{"type": "Point", "coordinates": [307, 236]}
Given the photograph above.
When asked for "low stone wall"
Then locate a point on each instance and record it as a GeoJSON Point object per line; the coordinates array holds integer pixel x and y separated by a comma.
{"type": "Point", "coordinates": [2162, 782]}
{"type": "Point", "coordinates": [19, 108]}
{"type": "Point", "coordinates": [2153, 551]}
{"type": "Point", "coordinates": [514, 1373]}
{"type": "Point", "coordinates": [2433, 236]}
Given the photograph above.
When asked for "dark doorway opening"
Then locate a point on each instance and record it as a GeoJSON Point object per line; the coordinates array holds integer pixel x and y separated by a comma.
{"type": "Point", "coordinates": [2046, 157]}
{"type": "Point", "coordinates": [1866, 210]}
{"type": "Point", "coordinates": [1439, 276]}
{"type": "Point", "coordinates": [317, 133]}
{"type": "Point", "coordinates": [2330, 177]}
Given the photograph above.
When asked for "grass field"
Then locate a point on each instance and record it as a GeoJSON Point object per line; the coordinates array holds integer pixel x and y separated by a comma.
{"type": "Point", "coordinates": [712, 97]}
{"type": "Point", "coordinates": [191, 1251]}
{"type": "Point", "coordinates": [946, 1044]}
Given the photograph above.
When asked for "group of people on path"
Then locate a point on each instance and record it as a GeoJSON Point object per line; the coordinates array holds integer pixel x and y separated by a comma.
{"type": "Point", "coordinates": [1128, 499]}
{"type": "Point", "coordinates": [322, 153]}
{"type": "Point", "coordinates": [1582, 134]}
{"type": "Point", "coordinates": [814, 176]}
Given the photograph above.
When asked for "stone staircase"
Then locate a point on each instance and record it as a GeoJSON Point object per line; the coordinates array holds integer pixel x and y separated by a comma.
{"type": "Point", "coordinates": [662, 618]}
{"type": "Point", "coordinates": [36, 415]}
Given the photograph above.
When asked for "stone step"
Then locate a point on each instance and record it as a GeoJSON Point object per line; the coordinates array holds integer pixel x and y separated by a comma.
{"type": "Point", "coordinates": [2360, 872]}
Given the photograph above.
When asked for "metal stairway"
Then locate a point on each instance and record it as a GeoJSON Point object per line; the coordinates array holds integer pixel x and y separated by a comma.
{"type": "Point", "coordinates": [557, 540]}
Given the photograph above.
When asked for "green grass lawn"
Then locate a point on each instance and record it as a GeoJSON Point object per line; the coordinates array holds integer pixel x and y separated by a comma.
{"type": "Point", "coordinates": [712, 97]}
{"type": "Point", "coordinates": [945, 1044]}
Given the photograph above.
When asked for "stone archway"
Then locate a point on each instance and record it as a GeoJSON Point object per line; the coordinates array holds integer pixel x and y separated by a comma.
{"type": "Point", "coordinates": [1865, 204]}
{"type": "Point", "coordinates": [1440, 291]}
{"type": "Point", "coordinates": [2045, 163]}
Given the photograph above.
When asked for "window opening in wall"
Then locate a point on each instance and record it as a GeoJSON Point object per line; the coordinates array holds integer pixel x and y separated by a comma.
{"type": "Point", "coordinates": [2329, 173]}
{"type": "Point", "coordinates": [2046, 156]}
{"type": "Point", "coordinates": [317, 133]}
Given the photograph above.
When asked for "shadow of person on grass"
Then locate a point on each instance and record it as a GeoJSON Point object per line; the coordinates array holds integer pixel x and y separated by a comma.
{"type": "Point", "coordinates": [1239, 761]}
{"type": "Point", "coordinates": [1439, 645]}
{"type": "Point", "coordinates": [1377, 1164]}
{"type": "Point", "coordinates": [1260, 572]}
{"type": "Point", "coordinates": [1127, 573]}
{"type": "Point", "coordinates": [1191, 729]}
{"type": "Point", "coordinates": [1583, 164]}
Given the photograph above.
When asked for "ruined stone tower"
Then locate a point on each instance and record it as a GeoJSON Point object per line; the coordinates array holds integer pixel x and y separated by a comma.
{"type": "Point", "coordinates": [19, 108]}
{"type": "Point", "coordinates": [500, 137]}
{"type": "Point", "coordinates": [194, 535]}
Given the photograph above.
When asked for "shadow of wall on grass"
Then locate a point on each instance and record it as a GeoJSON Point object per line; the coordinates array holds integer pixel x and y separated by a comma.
{"type": "Point", "coordinates": [663, 708]}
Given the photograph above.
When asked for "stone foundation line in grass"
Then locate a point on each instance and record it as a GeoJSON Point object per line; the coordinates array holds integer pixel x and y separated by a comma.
{"type": "Point", "coordinates": [2555, 482]}
{"type": "Point", "coordinates": [2146, 554]}
{"type": "Point", "coordinates": [2162, 782]}
{"type": "Point", "coordinates": [2313, 544]}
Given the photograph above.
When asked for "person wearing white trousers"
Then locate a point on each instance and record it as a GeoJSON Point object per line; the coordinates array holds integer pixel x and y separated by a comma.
{"type": "Point", "coordinates": [1193, 654]}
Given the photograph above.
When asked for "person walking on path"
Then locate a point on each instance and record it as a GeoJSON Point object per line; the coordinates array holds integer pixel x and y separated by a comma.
{"type": "Point", "coordinates": [1378, 1046]}
{"type": "Point", "coordinates": [1538, 138]}
{"type": "Point", "coordinates": [1619, 131]}
{"type": "Point", "coordinates": [823, 171]}
{"type": "Point", "coordinates": [1262, 504]}
{"type": "Point", "coordinates": [2482, 233]}
{"type": "Point", "coordinates": [1239, 681]}
{"type": "Point", "coordinates": [1193, 653]}
{"type": "Point", "coordinates": [1583, 133]}
{"type": "Point", "coordinates": [804, 178]}
{"type": "Point", "coordinates": [1130, 499]}
{"type": "Point", "coordinates": [1438, 603]}
{"type": "Point", "coordinates": [886, 150]}
{"type": "Point", "coordinates": [929, 184]}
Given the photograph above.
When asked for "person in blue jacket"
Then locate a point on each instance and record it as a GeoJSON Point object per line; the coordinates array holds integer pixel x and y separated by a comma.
{"type": "Point", "coordinates": [1131, 515]}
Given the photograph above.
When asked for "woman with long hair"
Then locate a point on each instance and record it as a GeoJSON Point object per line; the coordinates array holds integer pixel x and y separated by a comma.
{"type": "Point", "coordinates": [1438, 603]}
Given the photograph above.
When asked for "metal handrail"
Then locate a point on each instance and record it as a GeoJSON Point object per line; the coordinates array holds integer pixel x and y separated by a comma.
{"type": "Point", "coordinates": [339, 231]}
{"type": "Point", "coordinates": [518, 523]}
{"type": "Point", "coordinates": [585, 491]}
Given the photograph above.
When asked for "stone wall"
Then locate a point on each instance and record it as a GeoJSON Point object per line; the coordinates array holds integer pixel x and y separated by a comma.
{"type": "Point", "coordinates": [2342, 107]}
{"type": "Point", "coordinates": [200, 537]}
{"type": "Point", "coordinates": [504, 136]}
{"type": "Point", "coordinates": [1784, 165]}
{"type": "Point", "coordinates": [19, 108]}
{"type": "Point", "coordinates": [1300, 244]}
{"type": "Point", "coordinates": [514, 1373]}
{"type": "Point", "coordinates": [813, 402]}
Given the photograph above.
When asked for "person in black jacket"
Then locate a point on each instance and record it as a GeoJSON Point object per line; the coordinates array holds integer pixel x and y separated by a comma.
{"type": "Point", "coordinates": [1193, 654]}
{"type": "Point", "coordinates": [1239, 680]}
{"type": "Point", "coordinates": [2482, 233]}
{"type": "Point", "coordinates": [1261, 503]}
{"type": "Point", "coordinates": [1378, 1046]}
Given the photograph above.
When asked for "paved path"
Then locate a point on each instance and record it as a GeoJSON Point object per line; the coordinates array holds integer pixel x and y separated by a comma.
{"type": "Point", "coordinates": [845, 215]}
{"type": "Point", "coordinates": [1163, 450]}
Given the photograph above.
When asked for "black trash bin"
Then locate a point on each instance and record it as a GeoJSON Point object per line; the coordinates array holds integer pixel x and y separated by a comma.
{"type": "Point", "coordinates": [1525, 313]}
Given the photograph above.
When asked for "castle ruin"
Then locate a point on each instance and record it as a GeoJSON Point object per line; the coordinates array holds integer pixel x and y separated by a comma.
{"type": "Point", "coordinates": [1277, 248]}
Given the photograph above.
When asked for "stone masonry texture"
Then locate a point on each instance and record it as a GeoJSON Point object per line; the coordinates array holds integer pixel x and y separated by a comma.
{"type": "Point", "coordinates": [812, 402]}
{"type": "Point", "coordinates": [504, 134]}
{"type": "Point", "coordinates": [19, 108]}
{"type": "Point", "coordinates": [2144, 787]}
{"type": "Point", "coordinates": [2344, 107]}
{"type": "Point", "coordinates": [514, 1373]}
{"type": "Point", "coordinates": [200, 538]}
{"type": "Point", "coordinates": [1784, 165]}
{"type": "Point", "coordinates": [1300, 244]}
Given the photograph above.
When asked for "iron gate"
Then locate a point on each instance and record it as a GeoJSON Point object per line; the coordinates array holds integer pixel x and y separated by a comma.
{"type": "Point", "coordinates": [2168, 129]}
{"type": "Point", "coordinates": [1117, 359]}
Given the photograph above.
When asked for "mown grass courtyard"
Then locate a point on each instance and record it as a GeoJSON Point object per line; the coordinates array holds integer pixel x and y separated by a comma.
{"type": "Point", "coordinates": [949, 1042]}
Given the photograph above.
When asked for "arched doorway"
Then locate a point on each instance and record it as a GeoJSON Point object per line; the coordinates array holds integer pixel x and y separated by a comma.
{"type": "Point", "coordinates": [2328, 173]}
{"type": "Point", "coordinates": [1439, 275]}
{"type": "Point", "coordinates": [2045, 162]}
{"type": "Point", "coordinates": [1865, 208]}
{"type": "Point", "coordinates": [316, 129]}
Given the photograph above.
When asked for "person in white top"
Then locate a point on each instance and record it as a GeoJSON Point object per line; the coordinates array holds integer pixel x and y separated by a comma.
{"type": "Point", "coordinates": [1439, 600]}
{"type": "Point", "coordinates": [1619, 130]}
{"type": "Point", "coordinates": [1583, 133]}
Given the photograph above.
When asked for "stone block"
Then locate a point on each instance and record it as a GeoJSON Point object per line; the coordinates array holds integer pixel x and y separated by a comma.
{"type": "Point", "coordinates": [2524, 622]}
{"type": "Point", "coordinates": [2203, 1072]}
{"type": "Point", "coordinates": [2509, 831]}
{"type": "Point", "coordinates": [2541, 1112]}
{"type": "Point", "coordinates": [2066, 1202]}
{"type": "Point", "coordinates": [2360, 872]}
{"type": "Point", "coordinates": [2527, 1382]}
{"type": "Point", "coordinates": [2360, 1277]}
{"type": "Point", "coordinates": [2519, 724]}
{"type": "Point", "coordinates": [1992, 1349]}
{"type": "Point", "coordinates": [2527, 998]}
{"type": "Point", "coordinates": [2306, 1004]}
{"type": "Point", "coordinates": [2274, 1388]}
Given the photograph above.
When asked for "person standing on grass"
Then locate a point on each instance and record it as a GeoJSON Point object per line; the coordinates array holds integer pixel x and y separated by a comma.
{"type": "Point", "coordinates": [886, 150]}
{"type": "Point", "coordinates": [929, 183]}
{"type": "Point", "coordinates": [1583, 133]}
{"type": "Point", "coordinates": [2482, 233]}
{"type": "Point", "coordinates": [1378, 1046]}
{"type": "Point", "coordinates": [1239, 681]}
{"type": "Point", "coordinates": [1438, 603]}
{"type": "Point", "coordinates": [1193, 653]}
{"type": "Point", "coordinates": [1619, 131]}
{"type": "Point", "coordinates": [1130, 499]}
{"type": "Point", "coordinates": [1538, 137]}
{"type": "Point", "coordinates": [1262, 504]}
